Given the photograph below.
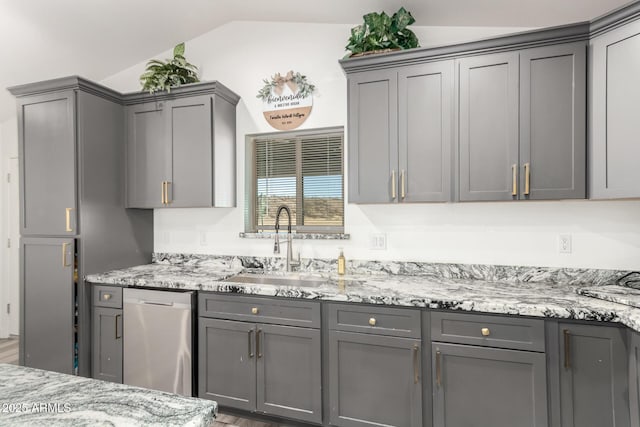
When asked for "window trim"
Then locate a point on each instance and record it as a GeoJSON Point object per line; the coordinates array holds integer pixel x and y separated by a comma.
{"type": "Point", "coordinates": [250, 178]}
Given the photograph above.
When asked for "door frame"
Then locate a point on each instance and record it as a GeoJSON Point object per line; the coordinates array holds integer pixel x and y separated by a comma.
{"type": "Point", "coordinates": [5, 233]}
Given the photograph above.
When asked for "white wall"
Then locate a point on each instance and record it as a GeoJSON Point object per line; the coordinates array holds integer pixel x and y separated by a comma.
{"type": "Point", "coordinates": [241, 54]}
{"type": "Point", "coordinates": [8, 288]}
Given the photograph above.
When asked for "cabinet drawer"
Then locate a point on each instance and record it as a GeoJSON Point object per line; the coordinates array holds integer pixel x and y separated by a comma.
{"type": "Point", "coordinates": [107, 296]}
{"type": "Point", "coordinates": [260, 310]}
{"type": "Point", "coordinates": [399, 322]}
{"type": "Point", "coordinates": [489, 331]}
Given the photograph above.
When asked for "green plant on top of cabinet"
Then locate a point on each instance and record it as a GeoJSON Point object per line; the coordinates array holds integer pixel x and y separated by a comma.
{"type": "Point", "coordinates": [181, 148]}
{"type": "Point", "coordinates": [400, 134]}
{"type": "Point", "coordinates": [261, 355]}
{"type": "Point", "coordinates": [522, 124]}
{"type": "Point", "coordinates": [613, 113]}
{"type": "Point", "coordinates": [594, 387]}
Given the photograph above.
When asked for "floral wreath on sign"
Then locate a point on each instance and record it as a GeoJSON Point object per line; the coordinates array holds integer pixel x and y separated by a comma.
{"type": "Point", "coordinates": [295, 81]}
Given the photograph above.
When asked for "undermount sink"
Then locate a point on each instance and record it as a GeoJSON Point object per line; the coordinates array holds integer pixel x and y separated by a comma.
{"type": "Point", "coordinates": [296, 280]}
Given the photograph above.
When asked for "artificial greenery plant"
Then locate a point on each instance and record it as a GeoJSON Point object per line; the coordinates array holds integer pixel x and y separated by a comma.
{"type": "Point", "coordinates": [165, 75]}
{"type": "Point", "coordinates": [381, 32]}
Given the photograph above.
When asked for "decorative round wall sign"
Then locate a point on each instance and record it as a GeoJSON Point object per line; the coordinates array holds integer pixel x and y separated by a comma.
{"type": "Point", "coordinates": [286, 100]}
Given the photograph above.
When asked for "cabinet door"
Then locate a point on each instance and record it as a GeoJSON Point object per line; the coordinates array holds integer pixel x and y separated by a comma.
{"type": "Point", "coordinates": [593, 378]}
{"type": "Point", "coordinates": [634, 378]}
{"type": "Point", "coordinates": [613, 113]}
{"type": "Point", "coordinates": [191, 150]}
{"type": "Point", "coordinates": [373, 137]}
{"type": "Point", "coordinates": [289, 372]}
{"type": "Point", "coordinates": [226, 363]}
{"type": "Point", "coordinates": [107, 344]}
{"type": "Point", "coordinates": [148, 155]}
{"type": "Point", "coordinates": [425, 112]}
{"type": "Point", "coordinates": [47, 293]}
{"type": "Point", "coordinates": [374, 380]}
{"type": "Point", "coordinates": [488, 387]}
{"type": "Point", "coordinates": [488, 130]}
{"type": "Point", "coordinates": [553, 141]}
{"type": "Point", "coordinates": [47, 143]}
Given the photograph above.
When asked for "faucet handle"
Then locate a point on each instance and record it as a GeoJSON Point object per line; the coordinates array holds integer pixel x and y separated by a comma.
{"type": "Point", "coordinates": [276, 247]}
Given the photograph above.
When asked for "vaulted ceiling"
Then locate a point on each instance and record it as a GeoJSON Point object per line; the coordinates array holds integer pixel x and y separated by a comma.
{"type": "Point", "coordinates": [44, 39]}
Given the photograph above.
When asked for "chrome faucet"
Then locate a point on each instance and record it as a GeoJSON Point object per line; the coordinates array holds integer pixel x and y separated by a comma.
{"type": "Point", "coordinates": [276, 246]}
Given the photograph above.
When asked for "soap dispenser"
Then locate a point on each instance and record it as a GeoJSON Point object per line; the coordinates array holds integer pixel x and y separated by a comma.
{"type": "Point", "coordinates": [342, 263]}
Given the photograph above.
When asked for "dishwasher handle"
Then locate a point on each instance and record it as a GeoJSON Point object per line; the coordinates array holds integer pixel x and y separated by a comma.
{"type": "Point", "coordinates": [166, 304]}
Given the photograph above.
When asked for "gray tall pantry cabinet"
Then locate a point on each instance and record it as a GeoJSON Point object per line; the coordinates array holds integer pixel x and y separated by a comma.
{"type": "Point", "coordinates": [72, 216]}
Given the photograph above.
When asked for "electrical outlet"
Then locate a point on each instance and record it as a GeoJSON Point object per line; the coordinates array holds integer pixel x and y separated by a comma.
{"type": "Point", "coordinates": [203, 238]}
{"type": "Point", "coordinates": [378, 241]}
{"type": "Point", "coordinates": [564, 243]}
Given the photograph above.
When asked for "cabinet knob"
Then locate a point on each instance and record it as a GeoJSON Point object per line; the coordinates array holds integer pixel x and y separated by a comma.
{"type": "Point", "coordinates": [106, 297]}
{"type": "Point", "coordinates": [485, 332]}
{"type": "Point", "coordinates": [372, 321]}
{"type": "Point", "coordinates": [254, 310]}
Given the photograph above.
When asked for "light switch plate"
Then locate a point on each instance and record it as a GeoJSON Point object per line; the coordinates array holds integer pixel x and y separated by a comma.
{"type": "Point", "coordinates": [378, 241]}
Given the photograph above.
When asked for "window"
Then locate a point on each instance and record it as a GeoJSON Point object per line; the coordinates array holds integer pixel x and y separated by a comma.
{"type": "Point", "coordinates": [301, 170]}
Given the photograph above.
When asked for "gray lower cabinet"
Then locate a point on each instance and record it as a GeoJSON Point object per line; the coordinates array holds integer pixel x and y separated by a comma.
{"type": "Point", "coordinates": [271, 369]}
{"type": "Point", "coordinates": [47, 302]}
{"type": "Point", "coordinates": [488, 387]}
{"type": "Point", "coordinates": [634, 378]}
{"type": "Point", "coordinates": [613, 120]}
{"type": "Point", "coordinates": [107, 344]}
{"type": "Point", "coordinates": [47, 163]}
{"type": "Point", "coordinates": [106, 337]}
{"type": "Point", "coordinates": [594, 383]}
{"type": "Point", "coordinates": [374, 380]}
{"type": "Point", "coordinates": [400, 134]}
{"type": "Point", "coordinates": [181, 148]}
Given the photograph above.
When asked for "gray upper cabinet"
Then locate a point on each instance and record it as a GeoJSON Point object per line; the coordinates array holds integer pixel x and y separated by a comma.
{"type": "Point", "coordinates": [373, 137]}
{"type": "Point", "coordinates": [613, 113]}
{"type": "Point", "coordinates": [594, 388]}
{"type": "Point", "coordinates": [148, 155]}
{"type": "Point", "coordinates": [425, 120]}
{"type": "Point", "coordinates": [488, 387]}
{"type": "Point", "coordinates": [47, 134]}
{"type": "Point", "coordinates": [553, 122]}
{"type": "Point", "coordinates": [488, 128]}
{"type": "Point", "coordinates": [181, 148]}
{"type": "Point", "coordinates": [400, 134]}
{"type": "Point", "coordinates": [47, 296]}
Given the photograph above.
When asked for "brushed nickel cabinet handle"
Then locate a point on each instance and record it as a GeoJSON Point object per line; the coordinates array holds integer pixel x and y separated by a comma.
{"type": "Point", "coordinates": [514, 180]}
{"type": "Point", "coordinates": [438, 370]}
{"type": "Point", "coordinates": [393, 184]}
{"type": "Point", "coordinates": [567, 348]}
{"type": "Point", "coordinates": [117, 318]}
{"type": "Point", "coordinates": [416, 374]}
{"type": "Point", "coordinates": [250, 349]}
{"type": "Point", "coordinates": [68, 219]}
{"type": "Point", "coordinates": [527, 178]}
{"type": "Point", "coordinates": [258, 349]}
{"type": "Point", "coordinates": [402, 184]}
{"type": "Point", "coordinates": [64, 255]}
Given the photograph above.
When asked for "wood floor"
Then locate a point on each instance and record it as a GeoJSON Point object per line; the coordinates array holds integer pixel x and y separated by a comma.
{"type": "Point", "coordinates": [9, 354]}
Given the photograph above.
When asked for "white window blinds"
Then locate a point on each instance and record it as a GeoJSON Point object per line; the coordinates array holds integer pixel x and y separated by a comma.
{"type": "Point", "coordinates": [303, 172]}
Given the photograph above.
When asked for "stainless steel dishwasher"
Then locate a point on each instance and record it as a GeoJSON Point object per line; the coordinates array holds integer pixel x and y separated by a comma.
{"type": "Point", "coordinates": [158, 340]}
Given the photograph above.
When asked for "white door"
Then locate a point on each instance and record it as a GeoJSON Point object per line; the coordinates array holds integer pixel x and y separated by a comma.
{"type": "Point", "coordinates": [13, 263]}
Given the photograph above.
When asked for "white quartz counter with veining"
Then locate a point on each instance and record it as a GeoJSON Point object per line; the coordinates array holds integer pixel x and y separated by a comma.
{"type": "Point", "coordinates": [551, 293]}
{"type": "Point", "coordinates": [33, 397]}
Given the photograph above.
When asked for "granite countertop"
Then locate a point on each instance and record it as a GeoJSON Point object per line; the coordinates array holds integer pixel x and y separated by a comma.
{"type": "Point", "coordinates": [545, 293]}
{"type": "Point", "coordinates": [30, 397]}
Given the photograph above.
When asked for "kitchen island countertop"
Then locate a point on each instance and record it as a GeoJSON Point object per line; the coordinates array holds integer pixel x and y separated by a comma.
{"type": "Point", "coordinates": [30, 397]}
